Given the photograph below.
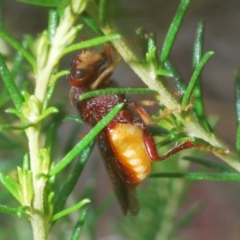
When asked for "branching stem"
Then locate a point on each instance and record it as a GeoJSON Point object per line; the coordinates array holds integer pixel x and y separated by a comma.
{"type": "Point", "coordinates": [47, 60]}
{"type": "Point", "coordinates": [191, 126]}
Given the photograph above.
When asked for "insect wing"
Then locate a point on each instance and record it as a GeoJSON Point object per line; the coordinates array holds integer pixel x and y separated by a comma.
{"type": "Point", "coordinates": [124, 191]}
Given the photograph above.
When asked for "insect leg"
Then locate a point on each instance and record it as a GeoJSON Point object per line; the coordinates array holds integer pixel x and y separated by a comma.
{"type": "Point", "coordinates": [189, 144]}
{"type": "Point", "coordinates": [147, 118]}
{"type": "Point", "coordinates": [107, 72]}
{"type": "Point", "coordinates": [152, 150]}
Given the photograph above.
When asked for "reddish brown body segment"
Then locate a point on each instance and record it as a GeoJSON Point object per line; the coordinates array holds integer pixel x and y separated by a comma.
{"type": "Point", "coordinates": [122, 142]}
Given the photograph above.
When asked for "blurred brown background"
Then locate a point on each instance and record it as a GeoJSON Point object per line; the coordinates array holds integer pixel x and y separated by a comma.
{"type": "Point", "coordinates": [220, 218]}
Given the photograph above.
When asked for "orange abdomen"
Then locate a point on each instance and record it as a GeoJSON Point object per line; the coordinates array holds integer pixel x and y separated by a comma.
{"type": "Point", "coordinates": [128, 146]}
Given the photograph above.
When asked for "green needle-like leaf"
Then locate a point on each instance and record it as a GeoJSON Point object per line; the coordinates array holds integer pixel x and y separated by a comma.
{"type": "Point", "coordinates": [18, 66]}
{"type": "Point", "coordinates": [79, 225]}
{"type": "Point", "coordinates": [151, 56]}
{"type": "Point", "coordinates": [12, 186]}
{"type": "Point", "coordinates": [20, 126]}
{"type": "Point", "coordinates": [70, 209]}
{"type": "Point", "coordinates": [198, 44]}
{"type": "Point", "coordinates": [90, 43]}
{"type": "Point", "coordinates": [176, 76]}
{"type": "Point", "coordinates": [47, 112]}
{"type": "Point", "coordinates": [10, 84]}
{"type": "Point", "coordinates": [197, 55]}
{"type": "Point", "coordinates": [52, 23]}
{"type": "Point", "coordinates": [10, 210]}
{"type": "Point", "coordinates": [72, 179]}
{"type": "Point", "coordinates": [15, 44]}
{"type": "Point", "coordinates": [48, 96]}
{"type": "Point", "coordinates": [16, 112]}
{"type": "Point", "coordinates": [49, 138]}
{"type": "Point", "coordinates": [73, 118]}
{"type": "Point", "coordinates": [194, 78]}
{"type": "Point", "coordinates": [116, 91]}
{"type": "Point", "coordinates": [102, 12]}
{"type": "Point", "coordinates": [199, 176]}
{"type": "Point", "coordinates": [91, 23]}
{"type": "Point", "coordinates": [173, 30]}
{"type": "Point", "coordinates": [56, 76]}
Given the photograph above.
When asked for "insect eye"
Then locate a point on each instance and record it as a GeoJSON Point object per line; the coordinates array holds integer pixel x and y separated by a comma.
{"type": "Point", "coordinates": [78, 73]}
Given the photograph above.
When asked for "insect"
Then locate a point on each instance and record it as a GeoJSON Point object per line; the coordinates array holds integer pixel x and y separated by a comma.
{"type": "Point", "coordinates": [126, 145]}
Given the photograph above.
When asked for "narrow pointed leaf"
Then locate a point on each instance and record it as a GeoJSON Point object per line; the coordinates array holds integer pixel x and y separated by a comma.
{"type": "Point", "coordinates": [47, 112]}
{"type": "Point", "coordinates": [102, 11]}
{"type": "Point", "coordinates": [12, 186]}
{"type": "Point", "coordinates": [194, 78]}
{"type": "Point", "coordinates": [91, 23]}
{"type": "Point", "coordinates": [10, 210]}
{"type": "Point", "coordinates": [198, 45]}
{"type": "Point", "coordinates": [173, 30]}
{"type": "Point", "coordinates": [15, 44]}
{"type": "Point", "coordinates": [79, 225]}
{"type": "Point", "coordinates": [52, 23]}
{"type": "Point", "coordinates": [17, 68]}
{"type": "Point", "coordinates": [10, 84]}
{"type": "Point", "coordinates": [91, 43]}
{"type": "Point", "coordinates": [20, 126]}
{"type": "Point", "coordinates": [199, 176]}
{"type": "Point", "coordinates": [163, 72]}
{"type": "Point", "coordinates": [58, 75]}
{"type": "Point", "coordinates": [16, 112]}
{"type": "Point", "coordinates": [178, 79]}
{"type": "Point", "coordinates": [116, 91]}
{"type": "Point", "coordinates": [73, 118]}
{"type": "Point", "coordinates": [70, 209]}
{"type": "Point", "coordinates": [197, 55]}
{"type": "Point", "coordinates": [50, 92]}
{"type": "Point", "coordinates": [49, 138]}
{"type": "Point", "coordinates": [72, 179]}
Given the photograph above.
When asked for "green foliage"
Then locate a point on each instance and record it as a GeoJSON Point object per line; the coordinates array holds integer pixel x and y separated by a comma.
{"type": "Point", "coordinates": [173, 30]}
{"type": "Point", "coordinates": [40, 186]}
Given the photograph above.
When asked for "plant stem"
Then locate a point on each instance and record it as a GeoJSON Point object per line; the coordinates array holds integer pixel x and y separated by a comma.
{"type": "Point", "coordinates": [48, 56]}
{"type": "Point", "coordinates": [191, 126]}
{"type": "Point", "coordinates": [37, 214]}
